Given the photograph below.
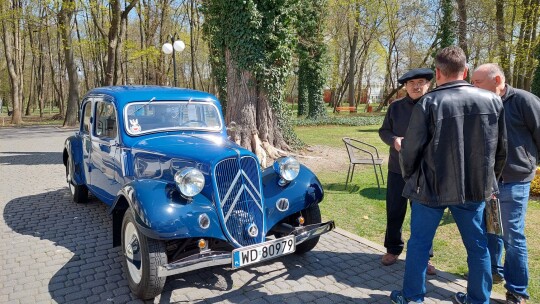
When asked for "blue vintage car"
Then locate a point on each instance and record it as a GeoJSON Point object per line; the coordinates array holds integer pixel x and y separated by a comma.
{"type": "Point", "coordinates": [182, 195]}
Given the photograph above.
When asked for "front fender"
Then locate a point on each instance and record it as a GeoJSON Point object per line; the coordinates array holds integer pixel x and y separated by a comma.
{"type": "Point", "coordinates": [73, 150]}
{"type": "Point", "coordinates": [162, 213]}
{"type": "Point", "coordinates": [303, 192]}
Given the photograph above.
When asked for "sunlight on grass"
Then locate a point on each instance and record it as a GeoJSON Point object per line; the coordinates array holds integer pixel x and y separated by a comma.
{"type": "Point", "coordinates": [361, 209]}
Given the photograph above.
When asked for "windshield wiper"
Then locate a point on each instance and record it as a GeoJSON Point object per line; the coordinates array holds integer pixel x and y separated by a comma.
{"type": "Point", "coordinates": [144, 105]}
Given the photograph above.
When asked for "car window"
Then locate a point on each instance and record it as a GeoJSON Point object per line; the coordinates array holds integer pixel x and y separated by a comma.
{"type": "Point", "coordinates": [143, 117]}
{"type": "Point", "coordinates": [105, 125]}
{"type": "Point", "coordinates": [87, 114]}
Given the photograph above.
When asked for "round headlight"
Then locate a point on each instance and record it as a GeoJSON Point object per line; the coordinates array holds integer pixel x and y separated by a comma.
{"type": "Point", "coordinates": [287, 167]}
{"type": "Point", "coordinates": [190, 181]}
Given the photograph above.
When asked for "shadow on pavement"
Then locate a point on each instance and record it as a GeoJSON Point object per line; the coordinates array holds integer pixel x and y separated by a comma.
{"type": "Point", "coordinates": [30, 158]}
{"type": "Point", "coordinates": [94, 272]}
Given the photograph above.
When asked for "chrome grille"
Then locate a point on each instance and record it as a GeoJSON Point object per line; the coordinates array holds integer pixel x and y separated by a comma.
{"type": "Point", "coordinates": [239, 199]}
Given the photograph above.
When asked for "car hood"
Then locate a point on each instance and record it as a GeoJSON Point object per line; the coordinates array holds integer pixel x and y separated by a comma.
{"type": "Point", "coordinates": [199, 147]}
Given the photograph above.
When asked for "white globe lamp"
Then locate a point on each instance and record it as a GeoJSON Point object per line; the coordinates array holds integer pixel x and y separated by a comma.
{"type": "Point", "coordinates": [167, 48]}
{"type": "Point", "coordinates": [179, 45]}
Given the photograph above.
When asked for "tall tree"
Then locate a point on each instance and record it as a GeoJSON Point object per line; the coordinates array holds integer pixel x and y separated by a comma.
{"type": "Point", "coordinates": [311, 50]}
{"type": "Point", "coordinates": [447, 34]}
{"type": "Point", "coordinates": [11, 22]}
{"type": "Point", "coordinates": [504, 58]}
{"type": "Point", "coordinates": [114, 36]}
{"type": "Point", "coordinates": [524, 59]}
{"type": "Point", "coordinates": [254, 38]}
{"type": "Point", "coordinates": [462, 26]}
{"type": "Point", "coordinates": [65, 17]}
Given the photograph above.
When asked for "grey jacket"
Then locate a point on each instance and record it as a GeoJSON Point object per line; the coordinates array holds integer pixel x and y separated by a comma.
{"type": "Point", "coordinates": [455, 147]}
{"type": "Point", "coordinates": [522, 116]}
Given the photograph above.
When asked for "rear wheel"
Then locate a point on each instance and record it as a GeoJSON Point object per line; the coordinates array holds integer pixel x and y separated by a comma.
{"type": "Point", "coordinates": [142, 258]}
{"type": "Point", "coordinates": [312, 215]}
{"type": "Point", "coordinates": [79, 193]}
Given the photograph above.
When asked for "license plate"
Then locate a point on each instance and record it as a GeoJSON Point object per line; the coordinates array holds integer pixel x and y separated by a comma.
{"type": "Point", "coordinates": [264, 251]}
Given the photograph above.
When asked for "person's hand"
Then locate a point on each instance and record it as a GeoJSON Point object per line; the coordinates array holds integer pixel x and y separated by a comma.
{"type": "Point", "coordinates": [397, 143]}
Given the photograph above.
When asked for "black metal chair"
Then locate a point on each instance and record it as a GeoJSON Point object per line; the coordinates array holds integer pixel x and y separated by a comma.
{"type": "Point", "coordinates": [361, 153]}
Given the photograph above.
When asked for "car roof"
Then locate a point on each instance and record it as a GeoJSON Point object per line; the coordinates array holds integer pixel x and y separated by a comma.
{"type": "Point", "coordinates": [126, 94]}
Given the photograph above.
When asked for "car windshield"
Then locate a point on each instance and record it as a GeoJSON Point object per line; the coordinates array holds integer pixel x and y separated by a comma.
{"type": "Point", "coordinates": [144, 117]}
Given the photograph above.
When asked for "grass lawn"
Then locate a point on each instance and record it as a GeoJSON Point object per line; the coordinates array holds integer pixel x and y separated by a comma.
{"type": "Point", "coordinates": [361, 209]}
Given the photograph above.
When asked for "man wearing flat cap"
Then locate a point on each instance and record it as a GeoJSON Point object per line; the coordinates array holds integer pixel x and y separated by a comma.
{"type": "Point", "coordinates": [392, 131]}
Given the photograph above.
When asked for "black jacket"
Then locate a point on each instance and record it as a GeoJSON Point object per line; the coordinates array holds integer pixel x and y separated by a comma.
{"type": "Point", "coordinates": [455, 147]}
{"type": "Point", "coordinates": [395, 125]}
{"type": "Point", "coordinates": [522, 116]}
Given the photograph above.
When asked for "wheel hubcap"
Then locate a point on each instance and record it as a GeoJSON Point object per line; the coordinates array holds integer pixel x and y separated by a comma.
{"type": "Point", "coordinates": [132, 252]}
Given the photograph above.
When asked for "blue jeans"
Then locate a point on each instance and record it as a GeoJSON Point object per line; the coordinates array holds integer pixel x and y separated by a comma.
{"type": "Point", "coordinates": [514, 198]}
{"type": "Point", "coordinates": [469, 218]}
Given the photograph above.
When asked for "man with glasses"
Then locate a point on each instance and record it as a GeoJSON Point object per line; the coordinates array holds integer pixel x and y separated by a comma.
{"type": "Point", "coordinates": [392, 131]}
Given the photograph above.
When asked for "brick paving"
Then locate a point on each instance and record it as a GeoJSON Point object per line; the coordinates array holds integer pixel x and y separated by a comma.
{"type": "Point", "coordinates": [55, 251]}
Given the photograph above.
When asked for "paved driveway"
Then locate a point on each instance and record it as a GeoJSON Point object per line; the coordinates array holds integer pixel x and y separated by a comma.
{"type": "Point", "coordinates": [55, 251]}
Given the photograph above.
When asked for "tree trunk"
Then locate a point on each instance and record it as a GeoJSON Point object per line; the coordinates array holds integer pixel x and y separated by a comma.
{"type": "Point", "coordinates": [504, 60]}
{"type": "Point", "coordinates": [522, 46]}
{"type": "Point", "coordinates": [352, 64]}
{"type": "Point", "coordinates": [65, 15]}
{"type": "Point", "coordinates": [303, 89]}
{"type": "Point", "coordinates": [110, 70]}
{"type": "Point", "coordinates": [462, 26]}
{"type": "Point", "coordinates": [83, 60]}
{"type": "Point", "coordinates": [11, 34]}
{"type": "Point", "coordinates": [56, 87]}
{"type": "Point", "coordinates": [249, 108]}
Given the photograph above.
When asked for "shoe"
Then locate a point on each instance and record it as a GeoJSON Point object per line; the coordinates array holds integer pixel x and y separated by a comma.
{"type": "Point", "coordinates": [431, 270]}
{"type": "Point", "coordinates": [398, 298]}
{"type": "Point", "coordinates": [460, 298]}
{"type": "Point", "coordinates": [497, 278]}
{"type": "Point", "coordinates": [514, 299]}
{"type": "Point", "coordinates": [389, 259]}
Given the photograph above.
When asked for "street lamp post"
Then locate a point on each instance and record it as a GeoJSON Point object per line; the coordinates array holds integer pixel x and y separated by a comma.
{"type": "Point", "coordinates": [170, 48]}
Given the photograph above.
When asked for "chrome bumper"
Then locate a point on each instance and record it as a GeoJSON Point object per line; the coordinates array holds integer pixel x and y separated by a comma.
{"type": "Point", "coordinates": [210, 258]}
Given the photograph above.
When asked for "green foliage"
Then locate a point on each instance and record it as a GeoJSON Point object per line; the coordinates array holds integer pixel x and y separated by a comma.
{"type": "Point", "coordinates": [447, 34]}
{"type": "Point", "coordinates": [311, 49]}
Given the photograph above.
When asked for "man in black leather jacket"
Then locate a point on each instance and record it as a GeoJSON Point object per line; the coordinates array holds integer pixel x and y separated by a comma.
{"type": "Point", "coordinates": [392, 131]}
{"type": "Point", "coordinates": [522, 116]}
{"type": "Point", "coordinates": [451, 157]}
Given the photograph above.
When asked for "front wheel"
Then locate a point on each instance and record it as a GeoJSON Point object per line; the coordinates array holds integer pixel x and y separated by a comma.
{"type": "Point", "coordinates": [312, 215]}
{"type": "Point", "coordinates": [142, 258]}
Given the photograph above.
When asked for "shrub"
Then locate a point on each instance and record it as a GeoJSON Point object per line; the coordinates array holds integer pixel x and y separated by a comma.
{"type": "Point", "coordinates": [535, 184]}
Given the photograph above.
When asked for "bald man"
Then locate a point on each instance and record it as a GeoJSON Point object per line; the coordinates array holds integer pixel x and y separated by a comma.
{"type": "Point", "coordinates": [522, 116]}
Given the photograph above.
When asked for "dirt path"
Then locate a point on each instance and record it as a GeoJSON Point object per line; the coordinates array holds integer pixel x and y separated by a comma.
{"type": "Point", "coordinates": [320, 158]}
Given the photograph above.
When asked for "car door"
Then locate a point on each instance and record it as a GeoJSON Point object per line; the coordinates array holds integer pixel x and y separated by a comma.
{"type": "Point", "coordinates": [105, 151]}
{"type": "Point", "coordinates": [86, 138]}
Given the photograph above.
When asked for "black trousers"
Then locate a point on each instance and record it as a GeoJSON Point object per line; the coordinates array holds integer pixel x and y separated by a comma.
{"type": "Point", "coordinates": [396, 208]}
